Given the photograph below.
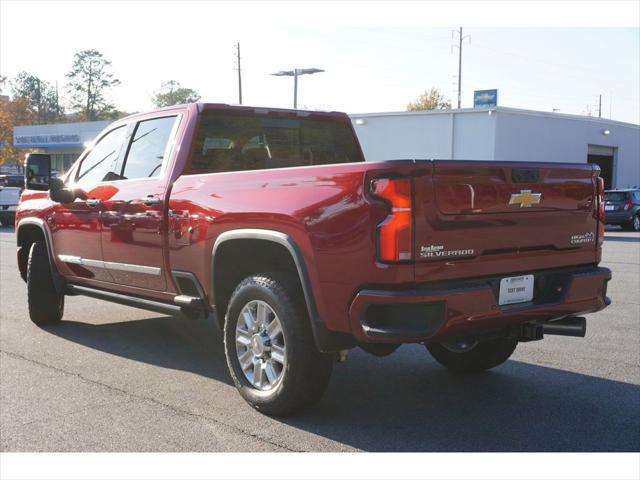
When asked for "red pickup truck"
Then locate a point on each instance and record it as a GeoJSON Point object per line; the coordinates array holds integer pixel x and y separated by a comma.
{"type": "Point", "coordinates": [270, 223]}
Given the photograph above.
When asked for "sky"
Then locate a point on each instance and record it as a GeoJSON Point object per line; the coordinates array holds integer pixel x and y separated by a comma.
{"type": "Point", "coordinates": [368, 68]}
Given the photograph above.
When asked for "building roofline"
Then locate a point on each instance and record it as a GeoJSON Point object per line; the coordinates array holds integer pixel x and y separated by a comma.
{"type": "Point", "coordinates": [520, 111]}
{"type": "Point", "coordinates": [42, 125]}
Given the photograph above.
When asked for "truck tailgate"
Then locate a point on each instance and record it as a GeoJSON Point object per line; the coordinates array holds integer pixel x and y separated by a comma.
{"type": "Point", "coordinates": [485, 218]}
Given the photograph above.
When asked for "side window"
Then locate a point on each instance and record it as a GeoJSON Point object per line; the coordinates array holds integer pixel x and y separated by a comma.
{"type": "Point", "coordinates": [148, 147]}
{"type": "Point", "coordinates": [101, 163]}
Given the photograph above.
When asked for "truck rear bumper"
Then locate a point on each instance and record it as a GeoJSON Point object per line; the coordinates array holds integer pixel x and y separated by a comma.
{"type": "Point", "coordinates": [432, 312]}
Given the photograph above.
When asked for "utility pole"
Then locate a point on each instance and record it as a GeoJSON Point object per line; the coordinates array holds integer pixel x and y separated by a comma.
{"type": "Point", "coordinates": [239, 74]}
{"type": "Point", "coordinates": [600, 106]}
{"type": "Point", "coordinates": [295, 88]}
{"type": "Point", "coordinates": [57, 104]}
{"type": "Point", "coordinates": [460, 70]}
{"type": "Point", "coordinates": [39, 90]}
{"type": "Point", "coordinates": [460, 40]}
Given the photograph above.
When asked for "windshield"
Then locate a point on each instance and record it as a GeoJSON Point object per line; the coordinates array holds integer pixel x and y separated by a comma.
{"type": "Point", "coordinates": [246, 141]}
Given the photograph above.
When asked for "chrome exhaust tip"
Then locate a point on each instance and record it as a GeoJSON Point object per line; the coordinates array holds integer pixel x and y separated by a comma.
{"type": "Point", "coordinates": [568, 327]}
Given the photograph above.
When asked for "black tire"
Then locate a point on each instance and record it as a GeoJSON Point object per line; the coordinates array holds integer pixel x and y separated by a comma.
{"type": "Point", "coordinates": [46, 306]}
{"type": "Point", "coordinates": [307, 371]}
{"type": "Point", "coordinates": [634, 225]}
{"type": "Point", "coordinates": [9, 220]}
{"type": "Point", "coordinates": [482, 356]}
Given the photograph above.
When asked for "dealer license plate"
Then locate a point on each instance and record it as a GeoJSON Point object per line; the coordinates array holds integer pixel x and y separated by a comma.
{"type": "Point", "coordinates": [516, 290]}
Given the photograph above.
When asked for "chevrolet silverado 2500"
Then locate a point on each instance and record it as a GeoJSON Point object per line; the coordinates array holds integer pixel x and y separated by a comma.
{"type": "Point", "coordinates": [270, 223]}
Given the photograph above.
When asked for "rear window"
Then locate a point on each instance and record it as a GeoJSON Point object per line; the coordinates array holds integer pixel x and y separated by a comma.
{"type": "Point", "coordinates": [230, 142]}
{"type": "Point", "coordinates": [615, 196]}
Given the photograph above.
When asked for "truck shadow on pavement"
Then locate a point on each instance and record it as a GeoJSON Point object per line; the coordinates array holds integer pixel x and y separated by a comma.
{"type": "Point", "coordinates": [190, 345]}
{"type": "Point", "coordinates": [406, 402]}
{"type": "Point", "coordinates": [410, 403]}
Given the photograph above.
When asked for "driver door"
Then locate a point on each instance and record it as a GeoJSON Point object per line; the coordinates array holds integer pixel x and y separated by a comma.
{"type": "Point", "coordinates": [76, 227]}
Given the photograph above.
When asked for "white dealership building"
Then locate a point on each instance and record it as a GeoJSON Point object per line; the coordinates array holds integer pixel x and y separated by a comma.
{"type": "Point", "coordinates": [506, 134]}
{"type": "Point", "coordinates": [63, 141]}
{"type": "Point", "coordinates": [497, 133]}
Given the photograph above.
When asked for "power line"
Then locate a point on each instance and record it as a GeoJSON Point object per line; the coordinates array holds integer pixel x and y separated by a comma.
{"type": "Point", "coordinates": [561, 66]}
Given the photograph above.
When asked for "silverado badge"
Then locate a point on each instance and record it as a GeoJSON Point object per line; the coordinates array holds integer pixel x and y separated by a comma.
{"type": "Point", "coordinates": [525, 198]}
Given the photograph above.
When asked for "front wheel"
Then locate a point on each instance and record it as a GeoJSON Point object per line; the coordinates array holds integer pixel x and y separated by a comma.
{"type": "Point", "coordinates": [473, 356]}
{"type": "Point", "coordinates": [269, 346]}
{"type": "Point", "coordinates": [46, 305]}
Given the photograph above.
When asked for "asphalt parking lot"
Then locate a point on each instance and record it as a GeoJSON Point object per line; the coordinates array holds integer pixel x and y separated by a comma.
{"type": "Point", "coordinates": [112, 378]}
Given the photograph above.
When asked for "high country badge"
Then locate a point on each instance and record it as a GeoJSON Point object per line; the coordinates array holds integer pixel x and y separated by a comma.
{"type": "Point", "coordinates": [582, 238]}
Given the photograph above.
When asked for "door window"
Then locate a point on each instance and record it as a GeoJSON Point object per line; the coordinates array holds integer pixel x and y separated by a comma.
{"type": "Point", "coordinates": [101, 163]}
{"type": "Point", "coordinates": [148, 148]}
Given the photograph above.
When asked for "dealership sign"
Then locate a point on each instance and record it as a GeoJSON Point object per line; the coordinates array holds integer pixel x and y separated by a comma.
{"type": "Point", "coordinates": [51, 140]}
{"type": "Point", "coordinates": [485, 98]}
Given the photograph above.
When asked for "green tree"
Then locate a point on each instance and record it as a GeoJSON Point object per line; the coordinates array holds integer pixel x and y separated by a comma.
{"type": "Point", "coordinates": [430, 100]}
{"type": "Point", "coordinates": [90, 80]}
{"type": "Point", "coordinates": [41, 97]}
{"type": "Point", "coordinates": [171, 93]}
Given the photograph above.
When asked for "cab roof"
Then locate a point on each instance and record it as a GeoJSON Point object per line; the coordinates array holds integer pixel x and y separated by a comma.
{"type": "Point", "coordinates": [244, 108]}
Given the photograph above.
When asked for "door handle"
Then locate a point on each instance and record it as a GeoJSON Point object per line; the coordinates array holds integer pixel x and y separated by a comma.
{"type": "Point", "coordinates": [93, 202]}
{"type": "Point", "coordinates": [151, 201]}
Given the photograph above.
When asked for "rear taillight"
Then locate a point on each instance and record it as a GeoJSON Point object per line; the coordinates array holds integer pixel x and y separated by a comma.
{"type": "Point", "coordinates": [628, 205]}
{"type": "Point", "coordinates": [600, 210]}
{"type": "Point", "coordinates": [395, 233]}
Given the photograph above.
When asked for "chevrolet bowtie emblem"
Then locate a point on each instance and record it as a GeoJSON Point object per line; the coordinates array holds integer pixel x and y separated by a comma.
{"type": "Point", "coordinates": [525, 198]}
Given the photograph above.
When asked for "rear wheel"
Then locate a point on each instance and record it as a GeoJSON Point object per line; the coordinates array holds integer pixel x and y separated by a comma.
{"type": "Point", "coordinates": [634, 224]}
{"type": "Point", "coordinates": [46, 305]}
{"type": "Point", "coordinates": [269, 346]}
{"type": "Point", "coordinates": [473, 356]}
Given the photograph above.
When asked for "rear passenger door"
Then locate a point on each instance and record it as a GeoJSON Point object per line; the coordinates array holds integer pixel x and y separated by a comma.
{"type": "Point", "coordinates": [133, 237]}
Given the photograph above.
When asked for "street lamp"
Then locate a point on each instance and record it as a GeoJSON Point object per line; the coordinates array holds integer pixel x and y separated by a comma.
{"type": "Point", "coordinates": [295, 73]}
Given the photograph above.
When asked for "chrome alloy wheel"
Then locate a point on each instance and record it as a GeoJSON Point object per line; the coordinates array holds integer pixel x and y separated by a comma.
{"type": "Point", "coordinates": [260, 345]}
{"type": "Point", "coordinates": [636, 223]}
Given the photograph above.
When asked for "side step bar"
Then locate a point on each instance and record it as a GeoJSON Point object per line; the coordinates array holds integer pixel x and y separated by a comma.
{"type": "Point", "coordinates": [123, 299]}
{"type": "Point", "coordinates": [187, 301]}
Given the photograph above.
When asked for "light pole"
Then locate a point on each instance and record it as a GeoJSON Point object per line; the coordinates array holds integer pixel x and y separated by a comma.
{"type": "Point", "coordinates": [295, 73]}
